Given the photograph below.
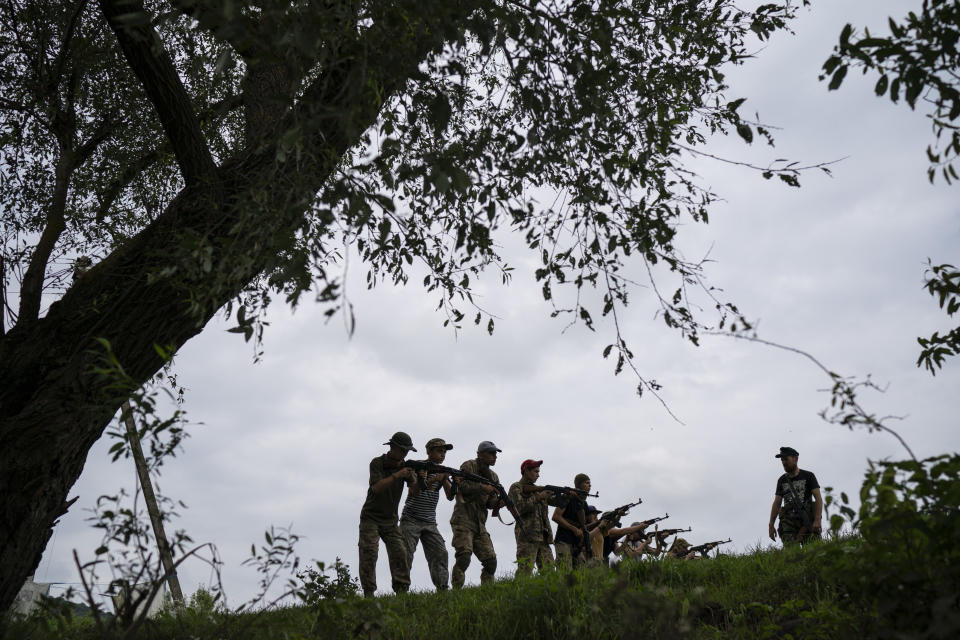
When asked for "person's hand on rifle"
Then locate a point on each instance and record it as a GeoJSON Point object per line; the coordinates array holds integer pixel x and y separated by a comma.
{"type": "Point", "coordinates": [406, 473]}
{"type": "Point", "coordinates": [545, 495]}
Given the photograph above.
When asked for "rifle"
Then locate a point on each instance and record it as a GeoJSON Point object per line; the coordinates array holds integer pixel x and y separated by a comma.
{"type": "Point", "coordinates": [795, 504]}
{"type": "Point", "coordinates": [557, 491]}
{"type": "Point", "coordinates": [619, 512]}
{"type": "Point", "coordinates": [666, 533]}
{"type": "Point", "coordinates": [417, 465]}
{"type": "Point", "coordinates": [706, 546]}
{"type": "Point", "coordinates": [647, 523]}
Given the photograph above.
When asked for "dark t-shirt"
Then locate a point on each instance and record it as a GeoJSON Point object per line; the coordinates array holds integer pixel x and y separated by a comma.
{"type": "Point", "coordinates": [382, 507]}
{"type": "Point", "coordinates": [572, 515]}
{"type": "Point", "coordinates": [803, 485]}
{"type": "Point", "coordinates": [609, 544]}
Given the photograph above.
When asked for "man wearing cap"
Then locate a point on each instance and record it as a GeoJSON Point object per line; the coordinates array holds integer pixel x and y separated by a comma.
{"type": "Point", "coordinates": [419, 520]}
{"type": "Point", "coordinates": [378, 517]}
{"type": "Point", "coordinates": [802, 506]}
{"type": "Point", "coordinates": [571, 521]}
{"type": "Point", "coordinates": [469, 519]}
{"type": "Point", "coordinates": [533, 542]}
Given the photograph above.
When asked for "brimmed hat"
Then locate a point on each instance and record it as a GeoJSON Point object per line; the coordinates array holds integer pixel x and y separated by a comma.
{"type": "Point", "coordinates": [438, 443]}
{"type": "Point", "coordinates": [786, 452]}
{"type": "Point", "coordinates": [486, 445]}
{"type": "Point", "coordinates": [529, 464]}
{"type": "Point", "coordinates": [402, 440]}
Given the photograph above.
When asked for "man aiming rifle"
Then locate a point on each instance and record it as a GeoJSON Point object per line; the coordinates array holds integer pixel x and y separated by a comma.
{"type": "Point", "coordinates": [572, 539]}
{"type": "Point", "coordinates": [535, 536]}
{"type": "Point", "coordinates": [705, 548]}
{"type": "Point", "coordinates": [480, 490]}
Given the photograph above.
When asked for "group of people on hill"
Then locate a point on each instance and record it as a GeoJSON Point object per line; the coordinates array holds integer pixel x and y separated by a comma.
{"type": "Point", "coordinates": [583, 534]}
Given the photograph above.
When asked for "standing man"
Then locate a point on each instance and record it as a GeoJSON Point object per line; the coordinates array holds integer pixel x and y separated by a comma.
{"type": "Point", "coordinates": [378, 517]}
{"type": "Point", "coordinates": [469, 519]}
{"type": "Point", "coordinates": [571, 526]}
{"type": "Point", "coordinates": [802, 506]}
{"type": "Point", "coordinates": [419, 519]}
{"type": "Point", "coordinates": [534, 540]}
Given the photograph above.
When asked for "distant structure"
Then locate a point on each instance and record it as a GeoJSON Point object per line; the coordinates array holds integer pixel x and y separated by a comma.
{"type": "Point", "coordinates": [152, 607]}
{"type": "Point", "coordinates": [29, 596]}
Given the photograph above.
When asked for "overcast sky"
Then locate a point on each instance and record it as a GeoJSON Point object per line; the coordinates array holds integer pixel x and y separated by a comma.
{"type": "Point", "coordinates": [834, 268]}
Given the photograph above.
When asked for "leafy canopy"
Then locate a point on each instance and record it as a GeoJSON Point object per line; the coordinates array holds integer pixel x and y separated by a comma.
{"type": "Point", "coordinates": [566, 121]}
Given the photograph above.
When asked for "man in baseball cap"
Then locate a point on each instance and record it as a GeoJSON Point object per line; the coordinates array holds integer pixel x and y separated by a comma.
{"type": "Point", "coordinates": [469, 519]}
{"type": "Point", "coordinates": [418, 523]}
{"type": "Point", "coordinates": [488, 447]}
{"type": "Point", "coordinates": [378, 517]}
{"type": "Point", "coordinates": [798, 492]}
{"type": "Point", "coordinates": [571, 521]}
{"type": "Point", "coordinates": [536, 535]}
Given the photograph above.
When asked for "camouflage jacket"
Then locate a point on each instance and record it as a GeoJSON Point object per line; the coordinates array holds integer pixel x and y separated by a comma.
{"type": "Point", "coordinates": [470, 510]}
{"type": "Point", "coordinates": [533, 513]}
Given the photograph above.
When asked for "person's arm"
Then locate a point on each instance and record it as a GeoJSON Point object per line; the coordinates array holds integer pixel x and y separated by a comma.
{"type": "Point", "coordinates": [644, 546]}
{"type": "Point", "coordinates": [526, 503]}
{"type": "Point", "coordinates": [473, 491]}
{"type": "Point", "coordinates": [448, 488]}
{"type": "Point", "coordinates": [616, 534]}
{"type": "Point", "coordinates": [774, 512]}
{"type": "Point", "coordinates": [382, 484]}
{"type": "Point", "coordinates": [560, 520]}
{"type": "Point", "coordinates": [817, 510]}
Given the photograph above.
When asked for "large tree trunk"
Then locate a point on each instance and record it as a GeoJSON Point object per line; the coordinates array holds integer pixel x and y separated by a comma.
{"type": "Point", "coordinates": [53, 406]}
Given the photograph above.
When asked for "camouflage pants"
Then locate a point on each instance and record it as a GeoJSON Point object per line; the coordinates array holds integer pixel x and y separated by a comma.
{"type": "Point", "coordinates": [371, 533]}
{"type": "Point", "coordinates": [467, 543]}
{"type": "Point", "coordinates": [567, 556]}
{"type": "Point", "coordinates": [533, 553]}
{"type": "Point", "coordinates": [434, 548]}
{"type": "Point", "coordinates": [789, 530]}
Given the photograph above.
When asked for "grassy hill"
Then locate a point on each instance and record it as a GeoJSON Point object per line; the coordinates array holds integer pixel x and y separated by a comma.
{"type": "Point", "coordinates": [799, 593]}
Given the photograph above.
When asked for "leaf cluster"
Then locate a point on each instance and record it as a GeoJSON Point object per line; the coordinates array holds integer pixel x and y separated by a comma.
{"type": "Point", "coordinates": [918, 61]}
{"type": "Point", "coordinates": [943, 283]}
{"type": "Point", "coordinates": [907, 566]}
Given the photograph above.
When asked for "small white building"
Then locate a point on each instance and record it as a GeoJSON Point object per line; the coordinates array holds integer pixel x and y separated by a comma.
{"type": "Point", "coordinates": [29, 596]}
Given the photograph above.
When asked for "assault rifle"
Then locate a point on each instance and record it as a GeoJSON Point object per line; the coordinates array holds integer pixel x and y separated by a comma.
{"type": "Point", "coordinates": [706, 546]}
{"type": "Point", "coordinates": [619, 512]}
{"type": "Point", "coordinates": [666, 533]}
{"type": "Point", "coordinates": [557, 491]}
{"type": "Point", "coordinates": [797, 506]}
{"type": "Point", "coordinates": [431, 467]}
{"type": "Point", "coordinates": [647, 523]}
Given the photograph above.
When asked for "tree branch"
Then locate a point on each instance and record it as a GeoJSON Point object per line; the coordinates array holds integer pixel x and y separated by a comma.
{"type": "Point", "coordinates": [31, 289]}
{"type": "Point", "coordinates": [216, 110]}
{"type": "Point", "coordinates": [147, 57]}
{"type": "Point", "coordinates": [214, 16]}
